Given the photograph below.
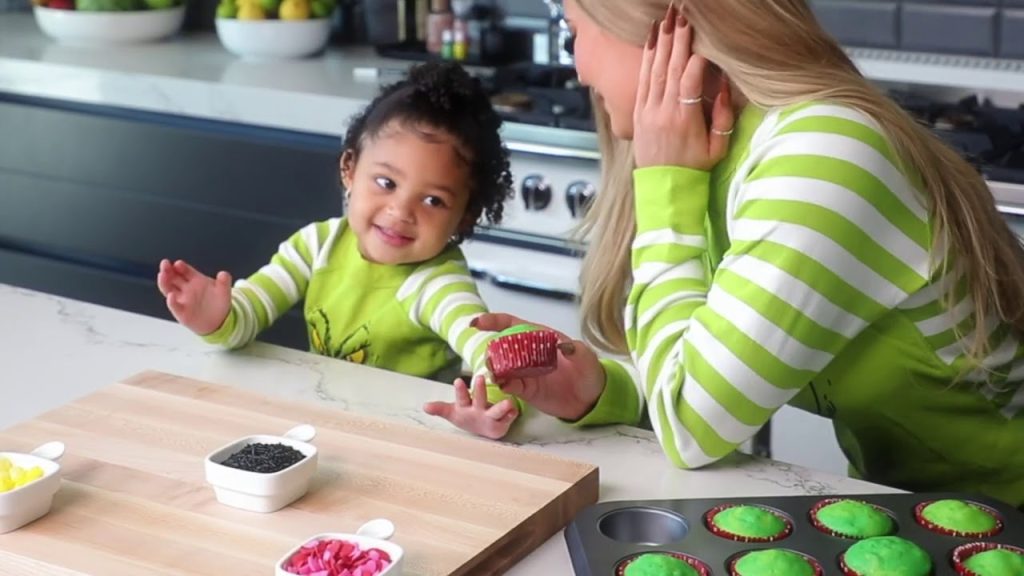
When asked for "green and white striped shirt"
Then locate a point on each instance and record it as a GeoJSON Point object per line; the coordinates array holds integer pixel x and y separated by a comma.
{"type": "Point", "coordinates": [802, 270]}
{"type": "Point", "coordinates": [411, 318]}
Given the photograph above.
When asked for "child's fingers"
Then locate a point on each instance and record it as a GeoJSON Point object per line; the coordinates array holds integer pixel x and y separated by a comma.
{"type": "Point", "coordinates": [445, 410]}
{"type": "Point", "coordinates": [177, 304]}
{"type": "Point", "coordinates": [462, 393]}
{"type": "Point", "coordinates": [223, 280]}
{"type": "Point", "coordinates": [185, 269]}
{"type": "Point", "coordinates": [501, 410]}
{"type": "Point", "coordinates": [163, 283]}
{"type": "Point", "coordinates": [479, 394]}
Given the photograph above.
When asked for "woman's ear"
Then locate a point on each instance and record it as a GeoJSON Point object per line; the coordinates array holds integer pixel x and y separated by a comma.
{"type": "Point", "coordinates": [347, 166]}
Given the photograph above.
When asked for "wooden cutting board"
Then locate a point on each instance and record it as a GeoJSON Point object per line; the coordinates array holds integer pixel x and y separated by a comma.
{"type": "Point", "coordinates": [134, 500]}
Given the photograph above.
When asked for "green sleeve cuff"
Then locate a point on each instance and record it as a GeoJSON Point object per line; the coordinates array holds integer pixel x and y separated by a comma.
{"type": "Point", "coordinates": [221, 335]}
{"type": "Point", "coordinates": [495, 395]}
{"type": "Point", "coordinates": [671, 197]}
{"type": "Point", "coordinates": [619, 402]}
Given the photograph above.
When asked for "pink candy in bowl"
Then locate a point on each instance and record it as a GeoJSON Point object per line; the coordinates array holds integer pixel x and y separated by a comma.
{"type": "Point", "coordinates": [368, 552]}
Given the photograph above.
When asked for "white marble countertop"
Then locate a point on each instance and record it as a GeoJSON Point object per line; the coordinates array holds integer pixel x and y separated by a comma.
{"type": "Point", "coordinates": [54, 350]}
{"type": "Point", "coordinates": [192, 75]}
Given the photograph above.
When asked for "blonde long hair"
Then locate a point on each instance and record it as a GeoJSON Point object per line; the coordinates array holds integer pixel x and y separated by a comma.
{"type": "Point", "coordinates": [776, 54]}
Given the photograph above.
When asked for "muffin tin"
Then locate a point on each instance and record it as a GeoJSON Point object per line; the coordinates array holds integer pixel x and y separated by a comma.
{"type": "Point", "coordinates": [607, 534]}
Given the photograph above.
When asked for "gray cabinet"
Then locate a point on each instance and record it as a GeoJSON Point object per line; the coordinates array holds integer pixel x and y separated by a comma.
{"type": "Point", "coordinates": [92, 198]}
{"type": "Point", "coordinates": [989, 28]}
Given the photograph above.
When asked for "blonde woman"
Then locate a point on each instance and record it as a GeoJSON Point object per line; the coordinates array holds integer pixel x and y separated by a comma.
{"type": "Point", "coordinates": [772, 229]}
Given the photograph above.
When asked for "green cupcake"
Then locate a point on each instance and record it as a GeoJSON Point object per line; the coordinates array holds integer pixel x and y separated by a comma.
{"type": "Point", "coordinates": [886, 556]}
{"type": "Point", "coordinates": [996, 561]}
{"type": "Point", "coordinates": [851, 519]}
{"type": "Point", "coordinates": [748, 523]}
{"type": "Point", "coordinates": [773, 563]}
{"type": "Point", "coordinates": [658, 564]}
{"type": "Point", "coordinates": [958, 518]}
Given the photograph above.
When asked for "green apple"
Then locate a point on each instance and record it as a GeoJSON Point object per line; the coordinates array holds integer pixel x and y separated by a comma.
{"type": "Point", "coordinates": [270, 5]}
{"type": "Point", "coordinates": [322, 8]}
{"type": "Point", "coordinates": [160, 4]}
{"type": "Point", "coordinates": [227, 9]}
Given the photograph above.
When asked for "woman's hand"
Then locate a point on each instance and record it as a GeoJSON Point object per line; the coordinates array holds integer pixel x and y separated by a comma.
{"type": "Point", "coordinates": [474, 413]}
{"type": "Point", "coordinates": [569, 392]}
{"type": "Point", "coordinates": [198, 302]}
{"type": "Point", "coordinates": [669, 125]}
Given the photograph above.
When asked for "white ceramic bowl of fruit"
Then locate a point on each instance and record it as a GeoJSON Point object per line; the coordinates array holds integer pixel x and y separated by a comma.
{"type": "Point", "coordinates": [274, 29]}
{"type": "Point", "coordinates": [103, 22]}
{"type": "Point", "coordinates": [27, 484]}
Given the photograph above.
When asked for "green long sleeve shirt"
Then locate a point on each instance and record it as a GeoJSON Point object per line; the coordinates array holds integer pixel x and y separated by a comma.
{"type": "Point", "coordinates": [802, 270]}
{"type": "Point", "coordinates": [410, 318]}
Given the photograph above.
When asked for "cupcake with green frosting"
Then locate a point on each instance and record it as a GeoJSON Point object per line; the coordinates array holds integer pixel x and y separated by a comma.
{"type": "Point", "coordinates": [885, 556]}
{"type": "Point", "coordinates": [852, 519]}
{"type": "Point", "coordinates": [662, 564]}
{"type": "Point", "coordinates": [748, 523]}
{"type": "Point", "coordinates": [988, 559]}
{"type": "Point", "coordinates": [773, 562]}
{"type": "Point", "coordinates": [958, 518]}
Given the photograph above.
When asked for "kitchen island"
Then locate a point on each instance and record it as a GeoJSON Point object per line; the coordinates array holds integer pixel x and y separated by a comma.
{"type": "Point", "coordinates": [55, 350]}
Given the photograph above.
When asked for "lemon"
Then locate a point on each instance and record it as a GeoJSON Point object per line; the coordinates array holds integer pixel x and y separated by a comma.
{"type": "Point", "coordinates": [5, 464]}
{"type": "Point", "coordinates": [294, 10]}
{"type": "Point", "coordinates": [15, 474]}
{"type": "Point", "coordinates": [250, 10]}
{"type": "Point", "coordinates": [5, 483]}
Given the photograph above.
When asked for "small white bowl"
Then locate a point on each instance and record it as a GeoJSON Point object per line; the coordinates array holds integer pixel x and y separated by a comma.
{"type": "Point", "coordinates": [102, 28]}
{"type": "Point", "coordinates": [257, 491]}
{"type": "Point", "coordinates": [373, 534]}
{"type": "Point", "coordinates": [33, 500]}
{"type": "Point", "coordinates": [273, 38]}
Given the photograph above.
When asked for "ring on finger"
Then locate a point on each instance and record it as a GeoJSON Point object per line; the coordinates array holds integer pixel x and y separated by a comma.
{"type": "Point", "coordinates": [691, 101]}
{"type": "Point", "coordinates": [722, 132]}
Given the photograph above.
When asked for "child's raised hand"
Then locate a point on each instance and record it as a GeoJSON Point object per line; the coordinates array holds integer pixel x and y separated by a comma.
{"type": "Point", "coordinates": [475, 414]}
{"type": "Point", "coordinates": [198, 302]}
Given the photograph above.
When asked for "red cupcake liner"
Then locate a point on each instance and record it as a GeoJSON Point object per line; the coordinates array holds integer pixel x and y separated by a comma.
{"type": "Point", "coordinates": [701, 568]}
{"type": "Point", "coordinates": [942, 530]}
{"type": "Point", "coordinates": [963, 552]}
{"type": "Point", "coordinates": [818, 570]}
{"type": "Point", "coordinates": [825, 529]}
{"type": "Point", "coordinates": [709, 521]}
{"type": "Point", "coordinates": [523, 355]}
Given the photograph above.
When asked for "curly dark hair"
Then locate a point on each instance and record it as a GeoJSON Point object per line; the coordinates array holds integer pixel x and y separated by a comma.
{"type": "Point", "coordinates": [444, 96]}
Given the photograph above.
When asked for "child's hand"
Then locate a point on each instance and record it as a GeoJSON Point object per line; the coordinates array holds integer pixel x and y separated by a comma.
{"type": "Point", "coordinates": [476, 414]}
{"type": "Point", "coordinates": [198, 302]}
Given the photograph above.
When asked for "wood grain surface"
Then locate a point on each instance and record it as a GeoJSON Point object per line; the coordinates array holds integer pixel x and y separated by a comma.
{"type": "Point", "coordinates": [134, 500]}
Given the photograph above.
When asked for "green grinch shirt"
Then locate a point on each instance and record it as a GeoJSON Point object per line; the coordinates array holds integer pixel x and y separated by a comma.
{"type": "Point", "coordinates": [803, 270]}
{"type": "Point", "coordinates": [409, 318]}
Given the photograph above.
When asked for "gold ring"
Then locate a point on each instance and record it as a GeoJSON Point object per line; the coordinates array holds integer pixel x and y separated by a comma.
{"type": "Point", "coordinates": [722, 132]}
{"type": "Point", "coordinates": [691, 101]}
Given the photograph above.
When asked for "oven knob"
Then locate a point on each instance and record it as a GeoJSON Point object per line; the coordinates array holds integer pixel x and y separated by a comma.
{"type": "Point", "coordinates": [579, 195]}
{"type": "Point", "coordinates": [536, 192]}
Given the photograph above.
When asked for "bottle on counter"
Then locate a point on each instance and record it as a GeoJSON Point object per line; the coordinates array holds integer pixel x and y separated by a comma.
{"type": "Point", "coordinates": [460, 44]}
{"type": "Point", "coordinates": [439, 19]}
{"type": "Point", "coordinates": [448, 44]}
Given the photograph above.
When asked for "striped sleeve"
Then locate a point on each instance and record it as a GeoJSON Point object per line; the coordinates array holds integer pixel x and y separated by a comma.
{"type": "Point", "coordinates": [260, 299]}
{"type": "Point", "coordinates": [443, 298]}
{"type": "Point", "coordinates": [827, 236]}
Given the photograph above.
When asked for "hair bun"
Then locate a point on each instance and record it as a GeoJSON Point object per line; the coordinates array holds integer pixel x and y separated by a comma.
{"type": "Point", "coordinates": [447, 85]}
